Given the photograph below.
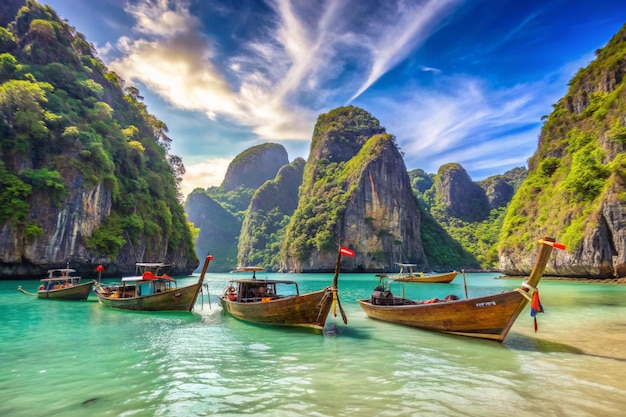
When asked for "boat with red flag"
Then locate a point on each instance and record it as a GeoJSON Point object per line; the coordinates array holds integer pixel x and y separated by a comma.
{"type": "Point", "coordinates": [152, 290]}
{"type": "Point", "coordinates": [487, 317]}
{"type": "Point", "coordinates": [279, 302]}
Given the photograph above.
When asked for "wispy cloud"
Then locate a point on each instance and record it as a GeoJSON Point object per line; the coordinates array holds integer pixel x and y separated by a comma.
{"type": "Point", "coordinates": [279, 82]}
{"type": "Point", "coordinates": [412, 23]}
{"type": "Point", "coordinates": [465, 120]}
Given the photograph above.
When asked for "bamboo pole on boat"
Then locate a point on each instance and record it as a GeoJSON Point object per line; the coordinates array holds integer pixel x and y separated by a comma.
{"type": "Point", "coordinates": [464, 284]}
{"type": "Point", "coordinates": [547, 244]}
{"type": "Point", "coordinates": [336, 301]}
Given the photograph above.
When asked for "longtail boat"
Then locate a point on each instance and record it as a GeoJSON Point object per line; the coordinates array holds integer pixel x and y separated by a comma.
{"type": "Point", "coordinates": [151, 291]}
{"type": "Point", "coordinates": [60, 284]}
{"type": "Point", "coordinates": [489, 317]}
{"type": "Point", "coordinates": [406, 274]}
{"type": "Point", "coordinates": [279, 302]}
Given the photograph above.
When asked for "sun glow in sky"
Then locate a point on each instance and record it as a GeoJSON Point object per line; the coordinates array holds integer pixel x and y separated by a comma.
{"type": "Point", "coordinates": [454, 81]}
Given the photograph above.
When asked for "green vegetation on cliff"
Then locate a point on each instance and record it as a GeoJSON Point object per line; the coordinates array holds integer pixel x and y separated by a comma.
{"type": "Point", "coordinates": [63, 115]}
{"type": "Point", "coordinates": [339, 135]}
{"type": "Point", "coordinates": [580, 157]}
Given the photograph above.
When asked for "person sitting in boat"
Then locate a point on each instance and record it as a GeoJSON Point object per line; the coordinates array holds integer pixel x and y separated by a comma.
{"type": "Point", "coordinates": [231, 293]}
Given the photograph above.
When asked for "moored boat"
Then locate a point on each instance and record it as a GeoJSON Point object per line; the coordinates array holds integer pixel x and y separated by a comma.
{"type": "Point", "coordinates": [279, 302]}
{"type": "Point", "coordinates": [406, 274]}
{"type": "Point", "coordinates": [487, 317]}
{"type": "Point", "coordinates": [60, 284]}
{"type": "Point", "coordinates": [152, 290]}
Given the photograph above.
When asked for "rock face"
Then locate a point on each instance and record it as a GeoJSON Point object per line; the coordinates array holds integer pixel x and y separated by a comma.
{"type": "Point", "coordinates": [266, 218]}
{"type": "Point", "coordinates": [219, 231]}
{"type": "Point", "coordinates": [577, 177]}
{"type": "Point", "coordinates": [64, 229]}
{"type": "Point", "coordinates": [356, 192]}
{"type": "Point", "coordinates": [254, 166]}
{"type": "Point", "coordinates": [217, 212]}
{"type": "Point", "coordinates": [500, 189]}
{"type": "Point", "coordinates": [458, 195]}
{"type": "Point", "coordinates": [84, 178]}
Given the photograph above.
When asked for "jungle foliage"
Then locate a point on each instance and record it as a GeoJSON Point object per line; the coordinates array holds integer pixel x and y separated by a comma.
{"type": "Point", "coordinates": [63, 113]}
{"type": "Point", "coordinates": [579, 159]}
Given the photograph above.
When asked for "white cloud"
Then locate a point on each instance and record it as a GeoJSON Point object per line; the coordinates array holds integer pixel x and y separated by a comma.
{"type": "Point", "coordinates": [393, 42]}
{"type": "Point", "coordinates": [465, 120]}
{"type": "Point", "coordinates": [204, 174]}
{"type": "Point", "coordinates": [283, 78]}
{"type": "Point", "coordinates": [162, 17]}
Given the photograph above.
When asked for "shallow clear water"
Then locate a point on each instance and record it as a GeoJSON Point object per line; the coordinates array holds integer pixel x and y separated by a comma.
{"type": "Point", "coordinates": [79, 358]}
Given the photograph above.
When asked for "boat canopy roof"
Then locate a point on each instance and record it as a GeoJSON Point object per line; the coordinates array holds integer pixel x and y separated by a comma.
{"type": "Point", "coordinates": [142, 278]}
{"type": "Point", "coordinates": [61, 270]}
{"type": "Point", "coordinates": [405, 265]}
{"type": "Point", "coordinates": [151, 264]}
{"type": "Point", "coordinates": [263, 281]}
{"type": "Point", "coordinates": [248, 269]}
{"type": "Point", "coordinates": [63, 278]}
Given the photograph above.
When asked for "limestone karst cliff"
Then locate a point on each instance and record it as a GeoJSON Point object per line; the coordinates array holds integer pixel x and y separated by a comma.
{"type": "Point", "coordinates": [85, 172]}
{"type": "Point", "coordinates": [218, 230]}
{"type": "Point", "coordinates": [458, 196]}
{"type": "Point", "coordinates": [577, 178]}
{"type": "Point", "coordinates": [270, 209]}
{"type": "Point", "coordinates": [219, 211]}
{"type": "Point", "coordinates": [356, 192]}
{"type": "Point", "coordinates": [252, 167]}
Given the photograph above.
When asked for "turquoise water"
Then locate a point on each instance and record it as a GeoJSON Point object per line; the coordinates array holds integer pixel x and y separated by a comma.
{"type": "Point", "coordinates": [81, 359]}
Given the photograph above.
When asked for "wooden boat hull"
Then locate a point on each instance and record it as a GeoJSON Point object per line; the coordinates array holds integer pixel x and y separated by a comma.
{"type": "Point", "coordinates": [307, 310]}
{"type": "Point", "coordinates": [438, 279]}
{"type": "Point", "coordinates": [489, 317]}
{"type": "Point", "coordinates": [75, 292]}
{"type": "Point", "coordinates": [176, 299]}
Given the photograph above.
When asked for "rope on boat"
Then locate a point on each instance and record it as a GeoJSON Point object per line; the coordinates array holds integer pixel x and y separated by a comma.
{"type": "Point", "coordinates": [523, 293]}
{"type": "Point", "coordinates": [535, 303]}
{"type": "Point", "coordinates": [322, 301]}
{"type": "Point", "coordinates": [19, 288]}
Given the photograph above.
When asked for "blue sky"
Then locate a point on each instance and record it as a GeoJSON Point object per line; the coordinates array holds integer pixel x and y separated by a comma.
{"type": "Point", "coordinates": [453, 80]}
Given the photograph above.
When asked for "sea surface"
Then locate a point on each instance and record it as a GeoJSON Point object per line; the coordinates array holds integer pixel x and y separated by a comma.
{"type": "Point", "coordinates": [68, 358]}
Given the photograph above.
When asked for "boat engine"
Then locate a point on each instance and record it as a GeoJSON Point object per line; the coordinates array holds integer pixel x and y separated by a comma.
{"type": "Point", "coordinates": [381, 296]}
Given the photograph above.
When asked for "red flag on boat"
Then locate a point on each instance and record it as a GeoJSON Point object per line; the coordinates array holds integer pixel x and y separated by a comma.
{"type": "Point", "coordinates": [535, 307]}
{"type": "Point", "coordinates": [346, 252]}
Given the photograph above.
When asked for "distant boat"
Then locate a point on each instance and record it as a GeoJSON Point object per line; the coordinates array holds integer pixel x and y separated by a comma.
{"type": "Point", "coordinates": [406, 274]}
{"type": "Point", "coordinates": [488, 317]}
{"type": "Point", "coordinates": [152, 290]}
{"type": "Point", "coordinates": [60, 284]}
{"type": "Point", "coordinates": [279, 302]}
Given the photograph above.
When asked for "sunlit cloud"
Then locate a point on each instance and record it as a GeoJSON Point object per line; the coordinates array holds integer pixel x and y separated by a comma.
{"type": "Point", "coordinates": [204, 174]}
{"type": "Point", "coordinates": [162, 17]}
{"type": "Point", "coordinates": [280, 81]}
